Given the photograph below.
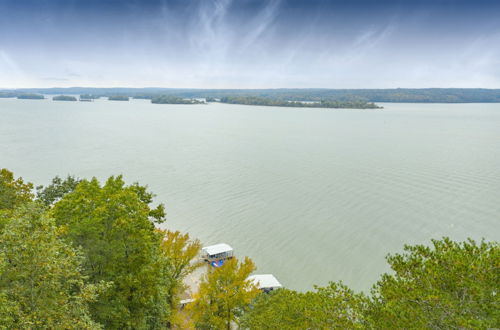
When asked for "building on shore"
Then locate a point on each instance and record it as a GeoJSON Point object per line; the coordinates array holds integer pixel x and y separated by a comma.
{"type": "Point", "coordinates": [265, 282]}
{"type": "Point", "coordinates": [217, 253]}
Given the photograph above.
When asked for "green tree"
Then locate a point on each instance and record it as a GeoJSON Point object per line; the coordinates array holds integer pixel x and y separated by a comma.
{"type": "Point", "coordinates": [41, 284]}
{"type": "Point", "coordinates": [56, 190]}
{"type": "Point", "coordinates": [449, 285]}
{"type": "Point", "coordinates": [13, 192]}
{"type": "Point", "coordinates": [114, 225]}
{"type": "Point", "coordinates": [224, 295]}
{"type": "Point", "coordinates": [331, 307]}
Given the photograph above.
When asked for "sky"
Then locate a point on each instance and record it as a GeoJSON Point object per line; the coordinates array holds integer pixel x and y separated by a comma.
{"type": "Point", "coordinates": [250, 43]}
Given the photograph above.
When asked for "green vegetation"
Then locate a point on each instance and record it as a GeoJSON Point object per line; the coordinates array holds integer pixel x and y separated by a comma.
{"type": "Point", "coordinates": [8, 94]}
{"type": "Point", "coordinates": [331, 307]}
{"type": "Point", "coordinates": [113, 224]}
{"type": "Point", "coordinates": [118, 98]}
{"type": "Point", "coordinates": [447, 286]}
{"type": "Point", "coordinates": [416, 95]}
{"type": "Point", "coordinates": [30, 96]}
{"type": "Point", "coordinates": [42, 284]}
{"type": "Point", "coordinates": [168, 99]}
{"type": "Point", "coordinates": [252, 100]}
{"type": "Point", "coordinates": [224, 295]}
{"type": "Point", "coordinates": [88, 97]}
{"type": "Point", "coordinates": [56, 190]}
{"type": "Point", "coordinates": [180, 251]}
{"type": "Point", "coordinates": [64, 98]}
{"type": "Point", "coordinates": [86, 255]}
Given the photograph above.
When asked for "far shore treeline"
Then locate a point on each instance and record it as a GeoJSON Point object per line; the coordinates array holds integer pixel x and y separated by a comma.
{"type": "Point", "coordinates": [85, 254]}
{"type": "Point", "coordinates": [314, 98]}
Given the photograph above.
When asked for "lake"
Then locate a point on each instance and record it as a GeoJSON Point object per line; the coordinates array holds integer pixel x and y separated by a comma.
{"type": "Point", "coordinates": [311, 195]}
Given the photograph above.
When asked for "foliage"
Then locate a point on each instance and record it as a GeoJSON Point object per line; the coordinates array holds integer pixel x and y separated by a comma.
{"type": "Point", "coordinates": [7, 94]}
{"type": "Point", "coordinates": [88, 97]}
{"type": "Point", "coordinates": [30, 96]}
{"type": "Point", "coordinates": [434, 95]}
{"type": "Point", "coordinates": [167, 99]}
{"type": "Point", "coordinates": [13, 192]}
{"type": "Point", "coordinates": [331, 307]}
{"type": "Point", "coordinates": [278, 102]}
{"type": "Point", "coordinates": [224, 295]}
{"type": "Point", "coordinates": [118, 98]}
{"type": "Point", "coordinates": [114, 226]}
{"type": "Point", "coordinates": [56, 190]}
{"type": "Point", "coordinates": [64, 98]}
{"type": "Point", "coordinates": [41, 284]}
{"type": "Point", "coordinates": [180, 252]}
{"type": "Point", "coordinates": [448, 285]}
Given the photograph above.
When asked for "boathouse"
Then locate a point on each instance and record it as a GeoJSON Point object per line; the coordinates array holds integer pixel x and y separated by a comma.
{"type": "Point", "coordinates": [217, 252]}
{"type": "Point", "coordinates": [265, 282]}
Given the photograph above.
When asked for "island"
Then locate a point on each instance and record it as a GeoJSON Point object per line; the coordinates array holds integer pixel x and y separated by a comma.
{"type": "Point", "coordinates": [31, 96]}
{"type": "Point", "coordinates": [7, 94]}
{"type": "Point", "coordinates": [118, 98]}
{"type": "Point", "coordinates": [88, 97]}
{"type": "Point", "coordinates": [64, 98]}
{"type": "Point", "coordinates": [277, 102]}
{"type": "Point", "coordinates": [169, 99]}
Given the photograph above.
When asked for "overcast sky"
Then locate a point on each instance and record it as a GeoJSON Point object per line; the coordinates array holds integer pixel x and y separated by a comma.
{"type": "Point", "coordinates": [250, 44]}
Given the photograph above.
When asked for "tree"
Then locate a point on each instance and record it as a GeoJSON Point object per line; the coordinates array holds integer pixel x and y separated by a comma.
{"type": "Point", "coordinates": [224, 294]}
{"type": "Point", "coordinates": [180, 252]}
{"type": "Point", "coordinates": [331, 307]}
{"type": "Point", "coordinates": [56, 190]}
{"type": "Point", "coordinates": [13, 192]}
{"type": "Point", "coordinates": [41, 284]}
{"type": "Point", "coordinates": [448, 285]}
{"type": "Point", "coordinates": [114, 226]}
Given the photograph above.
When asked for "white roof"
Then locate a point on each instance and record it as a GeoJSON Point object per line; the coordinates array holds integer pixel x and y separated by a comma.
{"type": "Point", "coordinates": [265, 281]}
{"type": "Point", "coordinates": [217, 248]}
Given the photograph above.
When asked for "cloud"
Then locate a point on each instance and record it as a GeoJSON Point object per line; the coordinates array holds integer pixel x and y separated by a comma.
{"type": "Point", "coordinates": [251, 44]}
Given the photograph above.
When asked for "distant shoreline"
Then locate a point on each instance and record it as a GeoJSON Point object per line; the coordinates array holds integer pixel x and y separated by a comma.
{"type": "Point", "coordinates": [286, 97]}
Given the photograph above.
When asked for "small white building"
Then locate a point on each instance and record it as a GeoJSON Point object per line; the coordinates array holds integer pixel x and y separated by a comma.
{"type": "Point", "coordinates": [265, 282]}
{"type": "Point", "coordinates": [216, 252]}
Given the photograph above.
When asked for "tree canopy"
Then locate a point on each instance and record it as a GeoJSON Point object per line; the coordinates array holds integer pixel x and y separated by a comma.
{"type": "Point", "coordinates": [331, 307]}
{"type": "Point", "coordinates": [64, 98]}
{"type": "Point", "coordinates": [224, 295]}
{"type": "Point", "coordinates": [56, 190]}
{"type": "Point", "coordinates": [114, 226]}
{"type": "Point", "coordinates": [41, 280]}
{"type": "Point", "coordinates": [446, 285]}
{"type": "Point", "coordinates": [13, 192]}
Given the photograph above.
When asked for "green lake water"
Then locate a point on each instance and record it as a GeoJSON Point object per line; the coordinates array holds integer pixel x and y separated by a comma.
{"type": "Point", "coordinates": [311, 195]}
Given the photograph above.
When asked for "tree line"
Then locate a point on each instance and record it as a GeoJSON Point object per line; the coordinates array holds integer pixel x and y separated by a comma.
{"type": "Point", "coordinates": [84, 254]}
{"type": "Point", "coordinates": [414, 95]}
{"type": "Point", "coordinates": [278, 102]}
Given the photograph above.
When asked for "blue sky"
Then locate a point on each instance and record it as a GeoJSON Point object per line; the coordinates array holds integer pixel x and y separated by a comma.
{"type": "Point", "coordinates": [250, 44]}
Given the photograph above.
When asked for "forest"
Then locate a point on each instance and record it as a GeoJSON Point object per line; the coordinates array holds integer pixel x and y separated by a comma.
{"type": "Point", "coordinates": [413, 95]}
{"type": "Point", "coordinates": [84, 254]}
{"type": "Point", "coordinates": [170, 99]}
{"type": "Point", "coordinates": [64, 98]}
{"type": "Point", "coordinates": [30, 96]}
{"type": "Point", "coordinates": [266, 101]}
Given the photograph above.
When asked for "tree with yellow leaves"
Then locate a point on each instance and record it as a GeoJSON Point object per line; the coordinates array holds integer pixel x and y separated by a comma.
{"type": "Point", "coordinates": [180, 252]}
{"type": "Point", "coordinates": [224, 295]}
